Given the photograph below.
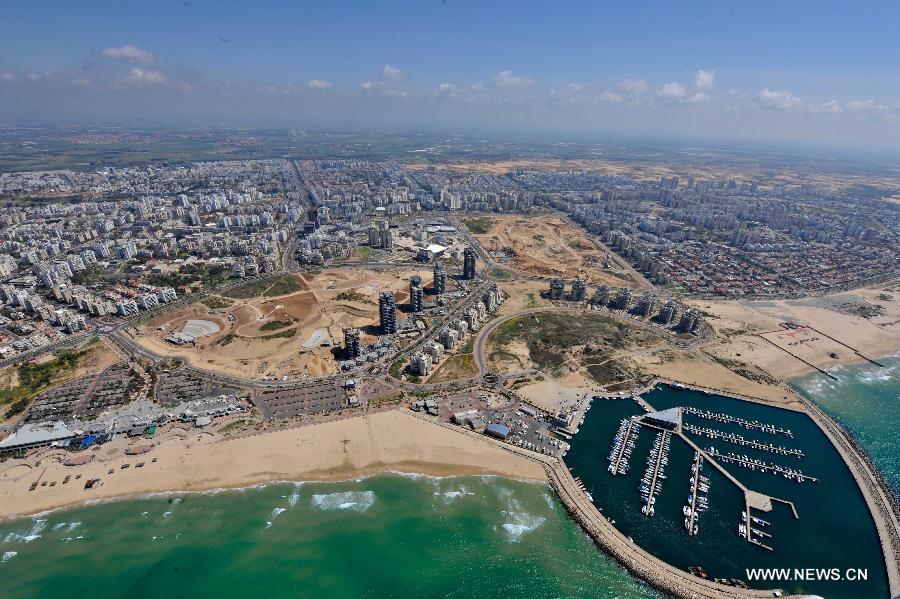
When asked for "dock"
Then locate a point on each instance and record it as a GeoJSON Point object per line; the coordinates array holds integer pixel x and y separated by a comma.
{"type": "Point", "coordinates": [752, 464]}
{"type": "Point", "coordinates": [690, 522]}
{"type": "Point", "coordinates": [622, 449]}
{"type": "Point", "coordinates": [656, 462]}
{"type": "Point", "coordinates": [743, 422]}
{"type": "Point", "coordinates": [739, 440]}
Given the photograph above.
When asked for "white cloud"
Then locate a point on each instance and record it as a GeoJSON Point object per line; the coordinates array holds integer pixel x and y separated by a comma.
{"type": "Point", "coordinates": [7, 76]}
{"type": "Point", "coordinates": [130, 53]}
{"type": "Point", "coordinates": [446, 89]}
{"type": "Point", "coordinates": [81, 82]}
{"type": "Point", "coordinates": [319, 84]}
{"type": "Point", "coordinates": [865, 106]}
{"type": "Point", "coordinates": [635, 86]}
{"type": "Point", "coordinates": [672, 93]}
{"type": "Point", "coordinates": [704, 79]}
{"type": "Point", "coordinates": [150, 76]}
{"type": "Point", "coordinates": [697, 98]}
{"type": "Point", "coordinates": [611, 97]}
{"type": "Point", "coordinates": [777, 99]}
{"type": "Point", "coordinates": [506, 79]}
{"type": "Point", "coordinates": [392, 73]}
{"type": "Point", "coordinates": [830, 107]}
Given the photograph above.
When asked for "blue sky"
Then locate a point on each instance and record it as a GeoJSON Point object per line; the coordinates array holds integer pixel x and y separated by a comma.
{"type": "Point", "coordinates": [808, 71]}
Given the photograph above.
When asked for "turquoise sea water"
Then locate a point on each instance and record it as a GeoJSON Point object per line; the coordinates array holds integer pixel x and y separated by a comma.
{"type": "Point", "coordinates": [385, 536]}
{"type": "Point", "coordinates": [866, 400]}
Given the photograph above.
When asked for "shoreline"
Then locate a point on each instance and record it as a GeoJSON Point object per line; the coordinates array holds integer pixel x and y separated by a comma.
{"type": "Point", "coordinates": [452, 472]}
{"type": "Point", "coordinates": [190, 461]}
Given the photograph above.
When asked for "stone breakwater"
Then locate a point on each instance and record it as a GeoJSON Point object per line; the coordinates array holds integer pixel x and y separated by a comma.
{"type": "Point", "coordinates": [880, 498]}
{"type": "Point", "coordinates": [639, 563]}
{"type": "Point", "coordinates": [655, 572]}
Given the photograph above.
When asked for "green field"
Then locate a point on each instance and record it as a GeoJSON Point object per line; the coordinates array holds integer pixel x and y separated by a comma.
{"type": "Point", "coordinates": [34, 378]}
{"type": "Point", "coordinates": [479, 225]}
{"type": "Point", "coordinates": [276, 287]}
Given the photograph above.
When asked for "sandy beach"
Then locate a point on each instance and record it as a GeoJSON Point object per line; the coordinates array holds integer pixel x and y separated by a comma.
{"type": "Point", "coordinates": [751, 333]}
{"type": "Point", "coordinates": [194, 461]}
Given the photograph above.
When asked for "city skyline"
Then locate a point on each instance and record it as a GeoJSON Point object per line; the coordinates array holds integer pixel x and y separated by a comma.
{"type": "Point", "coordinates": [744, 73]}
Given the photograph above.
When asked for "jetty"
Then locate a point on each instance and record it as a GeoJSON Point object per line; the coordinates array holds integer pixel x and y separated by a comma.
{"type": "Point", "coordinates": [739, 440]}
{"type": "Point", "coordinates": [743, 422]}
{"type": "Point", "coordinates": [696, 504]}
{"type": "Point", "coordinates": [754, 464]}
{"type": "Point", "coordinates": [652, 481]}
{"type": "Point", "coordinates": [793, 355]}
{"type": "Point", "coordinates": [623, 445]}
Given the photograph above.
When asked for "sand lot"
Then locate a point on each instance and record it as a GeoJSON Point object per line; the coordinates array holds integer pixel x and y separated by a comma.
{"type": "Point", "coordinates": [751, 332]}
{"type": "Point", "coordinates": [548, 246]}
{"type": "Point", "coordinates": [292, 335]}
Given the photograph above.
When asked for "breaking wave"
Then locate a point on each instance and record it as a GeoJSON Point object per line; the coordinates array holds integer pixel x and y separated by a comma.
{"type": "Point", "coordinates": [358, 501]}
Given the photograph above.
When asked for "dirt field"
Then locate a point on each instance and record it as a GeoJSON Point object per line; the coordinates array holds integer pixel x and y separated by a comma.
{"type": "Point", "coordinates": [548, 246]}
{"type": "Point", "coordinates": [293, 335]}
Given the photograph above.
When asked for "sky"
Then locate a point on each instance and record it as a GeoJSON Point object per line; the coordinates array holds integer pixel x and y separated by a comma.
{"type": "Point", "coordinates": [791, 71]}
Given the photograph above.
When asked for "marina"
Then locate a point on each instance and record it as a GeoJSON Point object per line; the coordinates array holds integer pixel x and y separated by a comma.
{"type": "Point", "coordinates": [651, 483]}
{"type": "Point", "coordinates": [739, 440]}
{"type": "Point", "coordinates": [697, 525]}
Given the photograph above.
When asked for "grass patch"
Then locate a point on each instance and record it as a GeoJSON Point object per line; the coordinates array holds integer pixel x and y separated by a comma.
{"type": "Point", "coordinates": [479, 225]}
{"type": "Point", "coordinates": [192, 275]}
{"type": "Point", "coordinates": [499, 274]}
{"type": "Point", "coordinates": [460, 366]}
{"type": "Point", "coordinates": [365, 253]}
{"type": "Point", "coordinates": [352, 296]}
{"type": "Point", "coordinates": [274, 325]}
{"type": "Point", "coordinates": [551, 338]}
{"type": "Point", "coordinates": [214, 302]}
{"type": "Point", "coordinates": [34, 378]}
{"type": "Point", "coordinates": [396, 369]}
{"type": "Point", "coordinates": [285, 334]}
{"type": "Point", "coordinates": [229, 338]}
{"type": "Point", "coordinates": [276, 287]}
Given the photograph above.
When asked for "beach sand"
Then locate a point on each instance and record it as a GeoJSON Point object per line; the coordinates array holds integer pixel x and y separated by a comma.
{"type": "Point", "coordinates": [194, 460]}
{"type": "Point", "coordinates": [740, 324]}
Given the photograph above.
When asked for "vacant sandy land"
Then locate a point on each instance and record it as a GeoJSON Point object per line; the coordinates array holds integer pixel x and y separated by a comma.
{"type": "Point", "coordinates": [291, 335]}
{"type": "Point", "coordinates": [329, 451]}
{"type": "Point", "coordinates": [738, 325]}
{"type": "Point", "coordinates": [696, 369]}
{"type": "Point", "coordinates": [548, 246]}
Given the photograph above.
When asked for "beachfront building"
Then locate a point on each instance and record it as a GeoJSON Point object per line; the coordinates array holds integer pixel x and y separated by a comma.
{"type": "Point", "coordinates": [38, 434]}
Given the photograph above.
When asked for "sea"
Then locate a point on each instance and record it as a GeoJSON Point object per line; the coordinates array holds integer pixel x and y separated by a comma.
{"type": "Point", "coordinates": [866, 400]}
{"type": "Point", "coordinates": [389, 535]}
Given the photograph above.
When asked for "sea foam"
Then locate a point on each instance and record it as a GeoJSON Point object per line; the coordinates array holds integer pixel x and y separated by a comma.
{"type": "Point", "coordinates": [358, 501]}
{"type": "Point", "coordinates": [521, 523]}
{"type": "Point", "coordinates": [37, 528]}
